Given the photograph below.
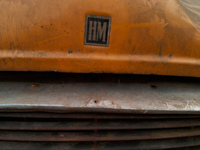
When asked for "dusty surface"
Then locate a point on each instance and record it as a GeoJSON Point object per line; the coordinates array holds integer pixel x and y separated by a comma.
{"type": "Point", "coordinates": [156, 97]}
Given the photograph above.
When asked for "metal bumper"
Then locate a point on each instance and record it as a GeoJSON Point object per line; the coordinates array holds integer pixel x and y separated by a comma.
{"type": "Point", "coordinates": [145, 98]}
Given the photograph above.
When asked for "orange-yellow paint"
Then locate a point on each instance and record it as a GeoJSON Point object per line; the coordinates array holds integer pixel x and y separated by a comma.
{"type": "Point", "coordinates": [147, 37]}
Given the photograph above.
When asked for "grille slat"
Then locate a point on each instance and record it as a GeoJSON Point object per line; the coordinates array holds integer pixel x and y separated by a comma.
{"type": "Point", "coordinates": [99, 125]}
{"type": "Point", "coordinates": [93, 116]}
{"type": "Point", "coordinates": [189, 143]}
{"type": "Point", "coordinates": [98, 131]}
{"type": "Point", "coordinates": [97, 136]}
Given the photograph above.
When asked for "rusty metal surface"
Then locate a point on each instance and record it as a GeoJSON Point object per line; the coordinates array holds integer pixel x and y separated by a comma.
{"type": "Point", "coordinates": [146, 37]}
{"type": "Point", "coordinates": [112, 116]}
{"type": "Point", "coordinates": [190, 143]}
{"type": "Point", "coordinates": [126, 135]}
{"type": "Point", "coordinates": [174, 97]}
{"type": "Point", "coordinates": [98, 131]}
{"type": "Point", "coordinates": [98, 125]}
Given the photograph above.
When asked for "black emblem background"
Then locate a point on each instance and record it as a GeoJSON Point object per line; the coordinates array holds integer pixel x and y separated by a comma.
{"type": "Point", "coordinates": [98, 42]}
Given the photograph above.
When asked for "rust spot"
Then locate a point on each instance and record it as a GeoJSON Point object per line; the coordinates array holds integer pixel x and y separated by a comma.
{"type": "Point", "coordinates": [95, 145]}
{"type": "Point", "coordinates": [178, 106]}
{"type": "Point", "coordinates": [160, 52]}
{"type": "Point", "coordinates": [12, 45]}
{"type": "Point", "coordinates": [95, 132]}
{"type": "Point", "coordinates": [87, 101]}
{"type": "Point", "coordinates": [190, 139]}
{"type": "Point", "coordinates": [96, 101]}
{"type": "Point", "coordinates": [95, 121]}
{"type": "Point", "coordinates": [4, 61]}
{"type": "Point", "coordinates": [35, 85]}
{"type": "Point", "coordinates": [70, 51]}
{"type": "Point", "coordinates": [153, 86]}
{"type": "Point", "coordinates": [138, 108]}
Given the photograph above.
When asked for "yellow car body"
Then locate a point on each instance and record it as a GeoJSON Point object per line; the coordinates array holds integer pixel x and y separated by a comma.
{"type": "Point", "coordinates": [146, 37]}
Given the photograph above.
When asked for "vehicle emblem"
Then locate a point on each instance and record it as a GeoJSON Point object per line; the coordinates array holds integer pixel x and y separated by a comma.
{"type": "Point", "coordinates": [97, 30]}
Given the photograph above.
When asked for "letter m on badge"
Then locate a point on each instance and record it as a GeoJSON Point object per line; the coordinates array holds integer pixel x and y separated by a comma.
{"type": "Point", "coordinates": [97, 30]}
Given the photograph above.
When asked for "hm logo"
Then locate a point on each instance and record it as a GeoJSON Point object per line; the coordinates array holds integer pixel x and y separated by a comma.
{"type": "Point", "coordinates": [97, 30]}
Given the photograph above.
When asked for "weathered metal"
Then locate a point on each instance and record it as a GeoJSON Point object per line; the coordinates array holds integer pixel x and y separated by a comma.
{"type": "Point", "coordinates": [147, 37]}
{"type": "Point", "coordinates": [141, 133]}
{"type": "Point", "coordinates": [183, 144]}
{"type": "Point", "coordinates": [83, 136]}
{"type": "Point", "coordinates": [121, 116]}
{"type": "Point", "coordinates": [144, 37]}
{"type": "Point", "coordinates": [99, 125]}
{"type": "Point", "coordinates": [98, 131]}
{"type": "Point", "coordinates": [174, 97]}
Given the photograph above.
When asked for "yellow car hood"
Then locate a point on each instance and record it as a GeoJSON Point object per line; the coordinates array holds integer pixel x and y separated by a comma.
{"type": "Point", "coordinates": [144, 36]}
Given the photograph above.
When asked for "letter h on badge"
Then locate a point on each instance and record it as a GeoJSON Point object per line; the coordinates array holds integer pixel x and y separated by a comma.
{"type": "Point", "coordinates": [97, 30]}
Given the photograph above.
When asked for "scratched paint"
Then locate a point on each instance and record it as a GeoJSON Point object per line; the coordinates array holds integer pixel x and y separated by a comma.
{"type": "Point", "coordinates": [147, 37]}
